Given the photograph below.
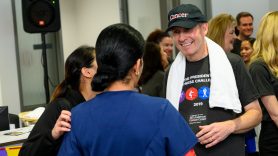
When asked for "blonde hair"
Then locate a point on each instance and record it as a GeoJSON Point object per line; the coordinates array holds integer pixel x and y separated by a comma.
{"type": "Point", "coordinates": [266, 44]}
{"type": "Point", "coordinates": [217, 27]}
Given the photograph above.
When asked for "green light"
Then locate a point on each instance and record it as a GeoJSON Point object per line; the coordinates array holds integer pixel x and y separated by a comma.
{"type": "Point", "coordinates": [53, 2]}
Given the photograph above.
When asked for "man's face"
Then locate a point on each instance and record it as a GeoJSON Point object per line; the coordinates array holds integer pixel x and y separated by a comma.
{"type": "Point", "coordinates": [245, 26]}
{"type": "Point", "coordinates": [191, 42]}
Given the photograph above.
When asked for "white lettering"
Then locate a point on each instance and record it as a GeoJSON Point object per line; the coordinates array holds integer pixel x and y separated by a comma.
{"type": "Point", "coordinates": [179, 15]}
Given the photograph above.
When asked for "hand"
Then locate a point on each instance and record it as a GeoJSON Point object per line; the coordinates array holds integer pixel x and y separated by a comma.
{"type": "Point", "coordinates": [214, 133]}
{"type": "Point", "coordinates": [62, 124]}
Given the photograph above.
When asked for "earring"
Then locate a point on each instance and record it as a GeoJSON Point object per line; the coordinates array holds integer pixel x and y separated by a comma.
{"type": "Point", "coordinates": [137, 73]}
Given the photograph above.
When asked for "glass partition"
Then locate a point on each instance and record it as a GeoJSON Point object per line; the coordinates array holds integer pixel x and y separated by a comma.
{"type": "Point", "coordinates": [30, 63]}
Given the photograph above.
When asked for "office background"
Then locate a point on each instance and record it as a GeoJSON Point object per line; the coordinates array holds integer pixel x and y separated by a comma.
{"type": "Point", "coordinates": [21, 75]}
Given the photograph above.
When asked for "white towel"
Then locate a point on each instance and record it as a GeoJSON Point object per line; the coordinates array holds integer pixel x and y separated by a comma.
{"type": "Point", "coordinates": [223, 89]}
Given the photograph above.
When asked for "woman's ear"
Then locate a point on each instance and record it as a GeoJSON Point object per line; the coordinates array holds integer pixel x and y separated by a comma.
{"type": "Point", "coordinates": [86, 72]}
{"type": "Point", "coordinates": [138, 67]}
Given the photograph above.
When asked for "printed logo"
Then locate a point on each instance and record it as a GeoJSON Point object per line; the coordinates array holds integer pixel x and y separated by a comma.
{"type": "Point", "coordinates": [191, 94]}
{"type": "Point", "coordinates": [203, 93]}
{"type": "Point", "coordinates": [178, 15]}
{"type": "Point", "coordinates": [182, 97]}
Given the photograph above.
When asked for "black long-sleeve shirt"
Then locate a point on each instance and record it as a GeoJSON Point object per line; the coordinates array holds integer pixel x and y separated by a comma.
{"type": "Point", "coordinates": [40, 141]}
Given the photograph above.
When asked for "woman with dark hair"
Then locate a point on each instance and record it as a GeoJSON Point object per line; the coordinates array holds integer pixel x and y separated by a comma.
{"type": "Point", "coordinates": [165, 41]}
{"type": "Point", "coordinates": [151, 80]}
{"type": "Point", "coordinates": [121, 121]}
{"type": "Point", "coordinates": [246, 49]}
{"type": "Point", "coordinates": [47, 134]}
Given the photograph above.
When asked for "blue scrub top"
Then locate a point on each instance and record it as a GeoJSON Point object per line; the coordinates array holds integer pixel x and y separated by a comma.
{"type": "Point", "coordinates": [127, 123]}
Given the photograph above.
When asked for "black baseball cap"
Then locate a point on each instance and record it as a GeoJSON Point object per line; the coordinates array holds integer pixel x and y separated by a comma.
{"type": "Point", "coordinates": [186, 16]}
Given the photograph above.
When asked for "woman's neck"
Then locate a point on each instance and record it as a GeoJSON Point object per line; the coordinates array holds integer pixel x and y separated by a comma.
{"type": "Point", "coordinates": [120, 86]}
{"type": "Point", "coordinates": [86, 90]}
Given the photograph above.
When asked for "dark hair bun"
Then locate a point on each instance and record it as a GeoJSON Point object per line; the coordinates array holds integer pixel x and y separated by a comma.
{"type": "Point", "coordinates": [118, 47]}
{"type": "Point", "coordinates": [104, 75]}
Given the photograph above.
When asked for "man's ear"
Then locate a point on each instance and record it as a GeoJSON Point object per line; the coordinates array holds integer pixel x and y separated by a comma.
{"type": "Point", "coordinates": [205, 28]}
{"type": "Point", "coordinates": [86, 72]}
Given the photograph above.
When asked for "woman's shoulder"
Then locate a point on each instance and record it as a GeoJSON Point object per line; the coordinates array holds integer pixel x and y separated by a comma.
{"type": "Point", "coordinates": [158, 75]}
{"type": "Point", "coordinates": [258, 64]}
{"type": "Point", "coordinates": [60, 103]}
{"type": "Point", "coordinates": [151, 100]}
{"type": "Point", "coordinates": [159, 72]}
{"type": "Point", "coordinates": [233, 58]}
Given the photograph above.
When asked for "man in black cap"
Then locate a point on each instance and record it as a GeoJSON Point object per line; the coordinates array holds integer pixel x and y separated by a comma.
{"type": "Point", "coordinates": [210, 88]}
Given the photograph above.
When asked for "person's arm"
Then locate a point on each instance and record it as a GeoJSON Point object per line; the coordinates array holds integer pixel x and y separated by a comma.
{"type": "Point", "coordinates": [216, 132]}
{"type": "Point", "coordinates": [40, 141]}
{"type": "Point", "coordinates": [251, 118]}
{"type": "Point", "coordinates": [271, 104]}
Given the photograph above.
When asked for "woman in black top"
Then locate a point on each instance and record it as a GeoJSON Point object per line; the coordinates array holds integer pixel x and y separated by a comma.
{"type": "Point", "coordinates": [47, 134]}
{"type": "Point", "coordinates": [151, 80]}
{"type": "Point", "coordinates": [264, 72]}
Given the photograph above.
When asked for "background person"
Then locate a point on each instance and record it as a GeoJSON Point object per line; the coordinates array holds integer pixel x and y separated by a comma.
{"type": "Point", "coordinates": [151, 80]}
{"type": "Point", "coordinates": [246, 49]}
{"type": "Point", "coordinates": [245, 30]}
{"type": "Point", "coordinates": [221, 29]}
{"type": "Point", "coordinates": [164, 40]}
{"type": "Point", "coordinates": [210, 88]}
{"type": "Point", "coordinates": [264, 71]}
{"type": "Point", "coordinates": [46, 136]}
{"type": "Point", "coordinates": [121, 121]}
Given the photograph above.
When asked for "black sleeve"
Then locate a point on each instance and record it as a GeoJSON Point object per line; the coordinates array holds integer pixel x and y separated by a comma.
{"type": "Point", "coordinates": [40, 141]}
{"type": "Point", "coordinates": [159, 88]}
{"type": "Point", "coordinates": [246, 89]}
{"type": "Point", "coordinates": [165, 82]}
{"type": "Point", "coordinates": [262, 78]}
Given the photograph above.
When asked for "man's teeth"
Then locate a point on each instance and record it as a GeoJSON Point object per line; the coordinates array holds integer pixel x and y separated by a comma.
{"type": "Point", "coordinates": [186, 44]}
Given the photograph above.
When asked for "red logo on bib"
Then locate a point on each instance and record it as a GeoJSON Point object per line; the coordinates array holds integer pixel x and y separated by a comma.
{"type": "Point", "coordinates": [191, 94]}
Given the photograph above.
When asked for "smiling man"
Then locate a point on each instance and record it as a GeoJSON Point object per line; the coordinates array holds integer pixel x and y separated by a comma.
{"type": "Point", "coordinates": [245, 30]}
{"type": "Point", "coordinates": [211, 89]}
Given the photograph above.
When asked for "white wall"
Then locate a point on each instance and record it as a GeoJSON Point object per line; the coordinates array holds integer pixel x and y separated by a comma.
{"type": "Point", "coordinates": [1, 99]}
{"type": "Point", "coordinates": [256, 8]}
{"type": "Point", "coordinates": [199, 3]}
{"type": "Point", "coordinates": [273, 5]}
{"type": "Point", "coordinates": [8, 66]}
{"type": "Point", "coordinates": [144, 15]}
{"type": "Point", "coordinates": [83, 20]}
